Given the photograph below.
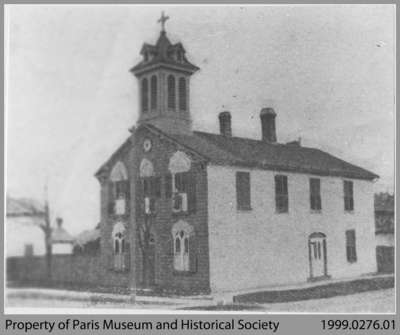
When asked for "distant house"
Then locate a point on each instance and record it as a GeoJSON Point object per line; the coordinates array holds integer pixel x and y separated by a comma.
{"type": "Point", "coordinates": [24, 234]}
{"type": "Point", "coordinates": [24, 237]}
{"type": "Point", "coordinates": [62, 242]}
{"type": "Point", "coordinates": [384, 231]}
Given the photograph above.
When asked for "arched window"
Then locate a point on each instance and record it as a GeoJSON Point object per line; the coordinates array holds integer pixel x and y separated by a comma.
{"type": "Point", "coordinates": [182, 94]}
{"type": "Point", "coordinates": [120, 247]}
{"type": "Point", "coordinates": [171, 92]}
{"type": "Point", "coordinates": [119, 190]}
{"type": "Point", "coordinates": [179, 162]}
{"type": "Point", "coordinates": [185, 258]}
{"type": "Point", "coordinates": [317, 255]}
{"type": "Point", "coordinates": [145, 95]}
{"type": "Point", "coordinates": [153, 92]}
{"type": "Point", "coordinates": [146, 168]}
{"type": "Point", "coordinates": [181, 255]}
{"type": "Point", "coordinates": [118, 172]}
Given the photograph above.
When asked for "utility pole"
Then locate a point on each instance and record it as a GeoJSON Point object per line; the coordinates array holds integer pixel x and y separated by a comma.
{"type": "Point", "coordinates": [132, 216]}
{"type": "Point", "coordinates": [47, 235]}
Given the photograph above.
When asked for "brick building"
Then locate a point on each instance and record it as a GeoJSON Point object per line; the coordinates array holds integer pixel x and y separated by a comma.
{"type": "Point", "coordinates": [196, 211]}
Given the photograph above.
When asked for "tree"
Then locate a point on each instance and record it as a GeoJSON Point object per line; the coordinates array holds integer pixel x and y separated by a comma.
{"type": "Point", "coordinates": [144, 231]}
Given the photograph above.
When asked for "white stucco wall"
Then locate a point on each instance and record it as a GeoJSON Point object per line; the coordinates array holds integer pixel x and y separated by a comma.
{"type": "Point", "coordinates": [260, 248]}
{"type": "Point", "coordinates": [62, 248]}
{"type": "Point", "coordinates": [23, 231]}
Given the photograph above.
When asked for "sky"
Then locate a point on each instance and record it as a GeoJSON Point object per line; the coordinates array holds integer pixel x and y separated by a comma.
{"type": "Point", "coordinates": [328, 70]}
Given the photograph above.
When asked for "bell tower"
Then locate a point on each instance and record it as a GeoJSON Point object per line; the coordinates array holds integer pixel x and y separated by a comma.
{"type": "Point", "coordinates": [164, 85]}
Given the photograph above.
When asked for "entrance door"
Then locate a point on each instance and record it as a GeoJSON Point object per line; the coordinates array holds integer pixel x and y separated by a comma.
{"type": "Point", "coordinates": [317, 255]}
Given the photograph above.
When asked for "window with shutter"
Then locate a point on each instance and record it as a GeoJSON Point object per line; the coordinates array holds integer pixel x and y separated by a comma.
{"type": "Point", "coordinates": [315, 194]}
{"type": "Point", "coordinates": [191, 192]}
{"type": "Point", "coordinates": [281, 194]}
{"type": "Point", "coordinates": [348, 195]}
{"type": "Point", "coordinates": [151, 187]}
{"type": "Point", "coordinates": [351, 251]}
{"type": "Point", "coordinates": [183, 186]}
{"type": "Point", "coordinates": [243, 198]}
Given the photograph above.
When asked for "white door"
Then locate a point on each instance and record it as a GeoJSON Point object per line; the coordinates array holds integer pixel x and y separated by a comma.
{"type": "Point", "coordinates": [317, 256]}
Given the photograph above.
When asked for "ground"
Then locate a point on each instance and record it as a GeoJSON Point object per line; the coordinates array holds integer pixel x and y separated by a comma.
{"type": "Point", "coordinates": [19, 301]}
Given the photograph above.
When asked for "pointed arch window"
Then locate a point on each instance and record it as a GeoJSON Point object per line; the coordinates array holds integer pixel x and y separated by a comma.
{"type": "Point", "coordinates": [119, 190]}
{"type": "Point", "coordinates": [121, 247]}
{"type": "Point", "coordinates": [182, 94]}
{"type": "Point", "coordinates": [185, 247]}
{"type": "Point", "coordinates": [153, 85]}
{"type": "Point", "coordinates": [171, 92]}
{"type": "Point", "coordinates": [145, 95]}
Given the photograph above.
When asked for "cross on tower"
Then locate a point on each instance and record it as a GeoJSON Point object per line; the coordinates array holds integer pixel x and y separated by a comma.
{"type": "Point", "coordinates": [162, 20]}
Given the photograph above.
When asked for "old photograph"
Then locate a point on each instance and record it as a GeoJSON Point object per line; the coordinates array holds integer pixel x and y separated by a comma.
{"type": "Point", "coordinates": [199, 158]}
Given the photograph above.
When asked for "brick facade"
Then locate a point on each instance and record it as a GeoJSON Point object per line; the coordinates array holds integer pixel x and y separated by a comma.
{"type": "Point", "coordinates": [164, 274]}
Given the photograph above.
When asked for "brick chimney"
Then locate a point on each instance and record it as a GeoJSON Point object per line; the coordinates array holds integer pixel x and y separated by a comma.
{"type": "Point", "coordinates": [225, 126]}
{"type": "Point", "coordinates": [267, 116]}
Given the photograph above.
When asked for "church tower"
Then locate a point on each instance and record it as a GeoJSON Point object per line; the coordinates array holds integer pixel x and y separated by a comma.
{"type": "Point", "coordinates": [164, 81]}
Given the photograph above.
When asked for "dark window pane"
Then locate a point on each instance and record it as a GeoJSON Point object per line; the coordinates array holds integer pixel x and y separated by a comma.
{"type": "Point", "coordinates": [315, 194]}
{"type": "Point", "coordinates": [243, 193]}
{"type": "Point", "coordinates": [281, 194]}
{"type": "Point", "coordinates": [171, 92]}
{"type": "Point", "coordinates": [351, 245]}
{"type": "Point", "coordinates": [153, 92]}
{"type": "Point", "coordinates": [177, 245]}
{"type": "Point", "coordinates": [348, 195]}
{"type": "Point", "coordinates": [191, 192]}
{"type": "Point", "coordinates": [186, 244]}
{"type": "Point", "coordinates": [182, 94]}
{"type": "Point", "coordinates": [145, 95]}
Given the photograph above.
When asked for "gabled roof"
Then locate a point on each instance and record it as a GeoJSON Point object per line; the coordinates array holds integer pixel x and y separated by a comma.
{"type": "Point", "coordinates": [245, 152]}
{"type": "Point", "coordinates": [162, 55]}
{"type": "Point", "coordinates": [60, 235]}
{"type": "Point", "coordinates": [223, 150]}
{"type": "Point", "coordinates": [121, 148]}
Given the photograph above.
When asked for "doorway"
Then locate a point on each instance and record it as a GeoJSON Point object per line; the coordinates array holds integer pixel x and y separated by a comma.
{"type": "Point", "coordinates": [317, 256]}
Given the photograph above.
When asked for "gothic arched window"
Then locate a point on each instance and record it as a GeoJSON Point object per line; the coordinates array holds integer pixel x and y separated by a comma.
{"type": "Point", "coordinates": [182, 94]}
{"type": "Point", "coordinates": [153, 85]}
{"type": "Point", "coordinates": [145, 95]}
{"type": "Point", "coordinates": [181, 253]}
{"type": "Point", "coordinates": [119, 190]}
{"type": "Point", "coordinates": [184, 244]}
{"type": "Point", "coordinates": [121, 249]}
{"type": "Point", "coordinates": [171, 92]}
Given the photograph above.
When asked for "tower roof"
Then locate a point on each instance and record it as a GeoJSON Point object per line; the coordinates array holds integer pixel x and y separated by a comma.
{"type": "Point", "coordinates": [163, 53]}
